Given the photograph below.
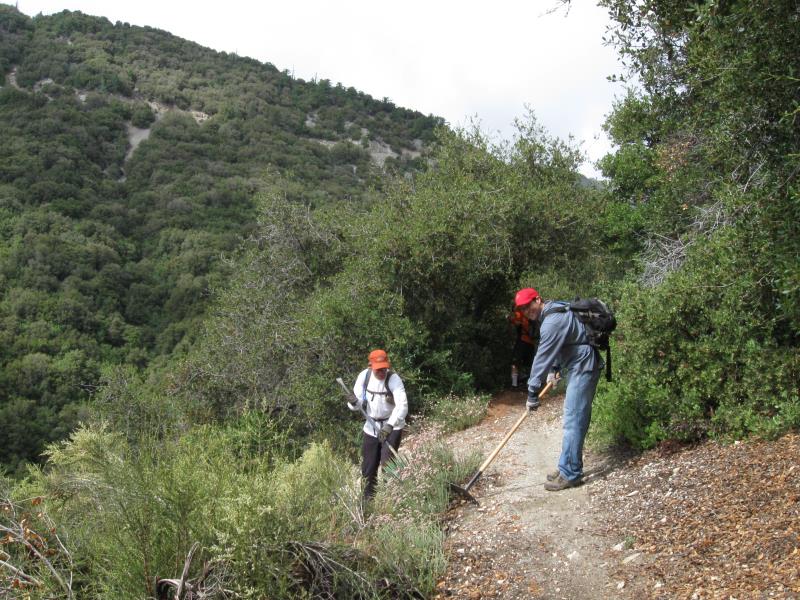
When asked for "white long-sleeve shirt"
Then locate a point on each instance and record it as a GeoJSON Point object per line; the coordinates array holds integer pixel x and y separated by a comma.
{"type": "Point", "coordinates": [378, 406]}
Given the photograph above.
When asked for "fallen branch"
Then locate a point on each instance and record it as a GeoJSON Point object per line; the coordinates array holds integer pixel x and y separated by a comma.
{"type": "Point", "coordinates": [20, 574]}
{"type": "Point", "coordinates": [185, 572]}
{"type": "Point", "coordinates": [193, 589]}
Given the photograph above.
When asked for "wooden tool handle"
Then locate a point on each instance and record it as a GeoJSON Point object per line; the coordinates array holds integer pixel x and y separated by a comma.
{"type": "Point", "coordinates": [488, 461]}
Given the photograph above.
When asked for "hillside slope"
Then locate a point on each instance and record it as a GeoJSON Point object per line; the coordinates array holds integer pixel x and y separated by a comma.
{"type": "Point", "coordinates": [132, 163]}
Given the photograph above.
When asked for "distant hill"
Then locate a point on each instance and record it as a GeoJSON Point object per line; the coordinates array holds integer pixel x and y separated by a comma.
{"type": "Point", "coordinates": [590, 182]}
{"type": "Point", "coordinates": [129, 165]}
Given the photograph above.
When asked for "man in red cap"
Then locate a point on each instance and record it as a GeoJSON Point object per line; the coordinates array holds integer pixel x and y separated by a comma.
{"type": "Point", "coordinates": [383, 400]}
{"type": "Point", "coordinates": [563, 342]}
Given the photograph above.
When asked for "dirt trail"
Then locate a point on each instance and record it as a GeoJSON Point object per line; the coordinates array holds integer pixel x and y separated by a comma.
{"type": "Point", "coordinates": [706, 521]}
{"type": "Point", "coordinates": [522, 541]}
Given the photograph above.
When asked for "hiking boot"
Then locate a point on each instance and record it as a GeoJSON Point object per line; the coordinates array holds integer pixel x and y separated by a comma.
{"type": "Point", "coordinates": [559, 483]}
{"type": "Point", "coordinates": [554, 475]}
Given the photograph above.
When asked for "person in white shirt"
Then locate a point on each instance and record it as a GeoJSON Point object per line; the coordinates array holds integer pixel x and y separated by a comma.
{"type": "Point", "coordinates": [382, 396]}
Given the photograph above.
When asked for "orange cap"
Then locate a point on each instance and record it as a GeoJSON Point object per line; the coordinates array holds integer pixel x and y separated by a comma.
{"type": "Point", "coordinates": [378, 360]}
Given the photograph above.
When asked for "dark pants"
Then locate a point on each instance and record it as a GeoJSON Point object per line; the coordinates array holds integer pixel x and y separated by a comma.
{"type": "Point", "coordinates": [376, 454]}
{"type": "Point", "coordinates": [522, 357]}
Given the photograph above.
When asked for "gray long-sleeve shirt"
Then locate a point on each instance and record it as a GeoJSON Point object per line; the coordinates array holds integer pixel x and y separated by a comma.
{"type": "Point", "coordinates": [563, 342]}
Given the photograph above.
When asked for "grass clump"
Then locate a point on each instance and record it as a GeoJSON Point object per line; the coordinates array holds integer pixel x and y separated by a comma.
{"type": "Point", "coordinates": [456, 413]}
{"type": "Point", "coordinates": [129, 511]}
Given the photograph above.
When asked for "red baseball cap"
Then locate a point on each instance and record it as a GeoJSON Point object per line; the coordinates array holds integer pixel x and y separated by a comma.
{"type": "Point", "coordinates": [525, 296]}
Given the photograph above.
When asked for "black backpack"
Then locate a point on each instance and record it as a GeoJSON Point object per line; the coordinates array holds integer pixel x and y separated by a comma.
{"type": "Point", "coordinates": [599, 322]}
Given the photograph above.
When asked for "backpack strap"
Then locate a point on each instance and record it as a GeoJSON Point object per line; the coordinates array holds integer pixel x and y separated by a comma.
{"type": "Point", "coordinates": [387, 393]}
{"type": "Point", "coordinates": [561, 308]}
{"type": "Point", "coordinates": [366, 381]}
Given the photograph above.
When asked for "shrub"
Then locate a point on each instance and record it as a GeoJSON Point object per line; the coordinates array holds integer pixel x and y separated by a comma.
{"type": "Point", "coordinates": [702, 354]}
{"type": "Point", "coordinates": [132, 511]}
{"type": "Point", "coordinates": [142, 116]}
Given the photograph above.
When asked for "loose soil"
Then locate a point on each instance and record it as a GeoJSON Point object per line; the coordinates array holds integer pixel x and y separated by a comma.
{"type": "Point", "coordinates": [710, 521]}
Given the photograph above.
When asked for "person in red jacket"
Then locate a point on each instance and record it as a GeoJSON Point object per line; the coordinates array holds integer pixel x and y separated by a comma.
{"type": "Point", "coordinates": [526, 339]}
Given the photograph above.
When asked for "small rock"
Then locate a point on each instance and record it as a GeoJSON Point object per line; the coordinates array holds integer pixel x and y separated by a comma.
{"type": "Point", "coordinates": [620, 585]}
{"type": "Point", "coordinates": [620, 547]}
{"type": "Point", "coordinates": [631, 558]}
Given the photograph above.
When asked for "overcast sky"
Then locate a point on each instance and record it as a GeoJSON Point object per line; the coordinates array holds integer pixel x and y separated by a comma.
{"type": "Point", "coordinates": [456, 60]}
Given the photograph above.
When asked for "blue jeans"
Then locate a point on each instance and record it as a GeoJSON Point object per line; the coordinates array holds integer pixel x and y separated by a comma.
{"type": "Point", "coordinates": [577, 414]}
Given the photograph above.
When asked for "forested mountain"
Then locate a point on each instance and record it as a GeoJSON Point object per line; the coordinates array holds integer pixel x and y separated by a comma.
{"type": "Point", "coordinates": [109, 252]}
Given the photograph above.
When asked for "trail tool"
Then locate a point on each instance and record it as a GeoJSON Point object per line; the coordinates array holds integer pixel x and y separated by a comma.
{"type": "Point", "coordinates": [354, 400]}
{"type": "Point", "coordinates": [464, 491]}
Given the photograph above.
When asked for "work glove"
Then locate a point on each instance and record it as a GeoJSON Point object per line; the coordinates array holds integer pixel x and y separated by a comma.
{"type": "Point", "coordinates": [555, 377]}
{"type": "Point", "coordinates": [386, 429]}
{"type": "Point", "coordinates": [533, 399]}
{"type": "Point", "coordinates": [354, 407]}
